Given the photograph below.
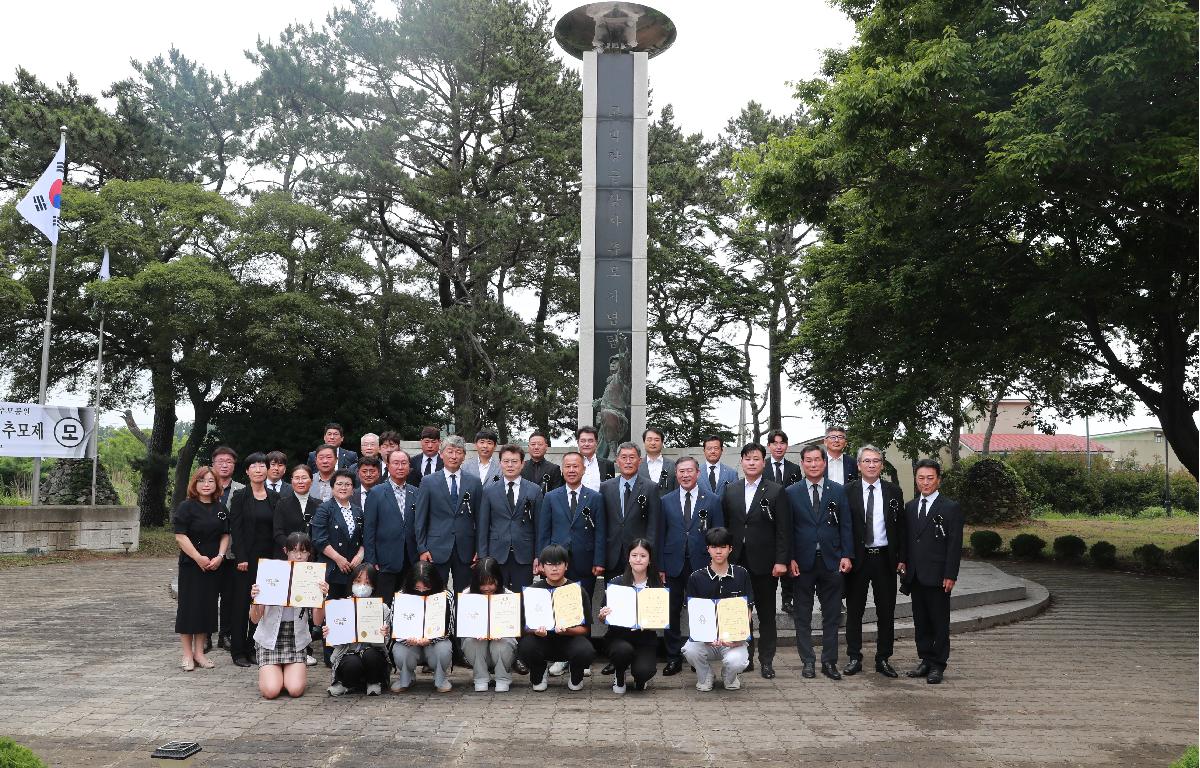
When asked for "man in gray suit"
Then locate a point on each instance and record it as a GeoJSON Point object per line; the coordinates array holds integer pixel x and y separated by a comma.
{"type": "Point", "coordinates": [447, 503]}
{"type": "Point", "coordinates": [484, 464]}
{"type": "Point", "coordinates": [508, 520]}
{"type": "Point", "coordinates": [656, 468]}
{"type": "Point", "coordinates": [714, 475]}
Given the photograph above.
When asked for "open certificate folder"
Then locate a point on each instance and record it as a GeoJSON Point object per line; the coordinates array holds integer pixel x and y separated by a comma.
{"type": "Point", "coordinates": [283, 582]}
{"type": "Point", "coordinates": [354, 620]}
{"type": "Point", "coordinates": [556, 608]}
{"type": "Point", "coordinates": [489, 617]}
{"type": "Point", "coordinates": [306, 585]}
{"type": "Point", "coordinates": [727, 619]}
{"type": "Point", "coordinates": [416, 616]}
{"type": "Point", "coordinates": [646, 608]}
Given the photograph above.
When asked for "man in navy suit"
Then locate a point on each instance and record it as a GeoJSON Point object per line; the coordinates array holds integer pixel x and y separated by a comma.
{"type": "Point", "coordinates": [447, 507]}
{"type": "Point", "coordinates": [822, 550]}
{"type": "Point", "coordinates": [688, 512]}
{"type": "Point", "coordinates": [935, 525]}
{"type": "Point", "coordinates": [389, 527]}
{"type": "Point", "coordinates": [839, 467]}
{"type": "Point", "coordinates": [631, 506]}
{"type": "Point", "coordinates": [714, 475]}
{"type": "Point", "coordinates": [573, 516]}
{"type": "Point", "coordinates": [508, 520]}
{"type": "Point", "coordinates": [334, 436]}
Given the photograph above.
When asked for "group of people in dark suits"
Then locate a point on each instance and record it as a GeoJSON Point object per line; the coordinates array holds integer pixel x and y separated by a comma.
{"type": "Point", "coordinates": [825, 528]}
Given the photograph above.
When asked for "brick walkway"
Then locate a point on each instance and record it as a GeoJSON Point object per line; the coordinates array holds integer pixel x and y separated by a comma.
{"type": "Point", "coordinates": [1106, 676]}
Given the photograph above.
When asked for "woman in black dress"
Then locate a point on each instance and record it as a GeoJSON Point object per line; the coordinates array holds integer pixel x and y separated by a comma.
{"type": "Point", "coordinates": [202, 531]}
{"type": "Point", "coordinates": [252, 523]}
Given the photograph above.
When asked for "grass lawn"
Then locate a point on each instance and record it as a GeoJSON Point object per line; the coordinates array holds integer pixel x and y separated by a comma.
{"type": "Point", "coordinates": [153, 542]}
{"type": "Point", "coordinates": [1125, 534]}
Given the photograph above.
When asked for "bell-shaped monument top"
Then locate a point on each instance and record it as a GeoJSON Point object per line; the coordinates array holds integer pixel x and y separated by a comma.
{"type": "Point", "coordinates": [614, 27]}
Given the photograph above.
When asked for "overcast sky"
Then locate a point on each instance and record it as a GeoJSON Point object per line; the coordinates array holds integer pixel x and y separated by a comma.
{"type": "Point", "coordinates": [720, 61]}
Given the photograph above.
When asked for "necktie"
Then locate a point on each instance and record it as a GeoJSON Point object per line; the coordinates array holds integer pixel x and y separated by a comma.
{"type": "Point", "coordinates": [779, 472]}
{"type": "Point", "coordinates": [574, 503]}
{"type": "Point", "coordinates": [687, 511]}
{"type": "Point", "coordinates": [428, 465]}
{"type": "Point", "coordinates": [512, 497]}
{"type": "Point", "coordinates": [923, 511]}
{"type": "Point", "coordinates": [454, 487]}
{"type": "Point", "coordinates": [712, 478]}
{"type": "Point", "coordinates": [871, 514]}
{"type": "Point", "coordinates": [816, 502]}
{"type": "Point", "coordinates": [625, 497]}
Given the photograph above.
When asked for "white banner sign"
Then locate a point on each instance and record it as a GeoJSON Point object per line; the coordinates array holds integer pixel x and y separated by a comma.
{"type": "Point", "coordinates": [49, 431]}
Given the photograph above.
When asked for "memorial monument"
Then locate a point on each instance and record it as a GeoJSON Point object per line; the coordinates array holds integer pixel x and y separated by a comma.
{"type": "Point", "coordinates": [614, 40]}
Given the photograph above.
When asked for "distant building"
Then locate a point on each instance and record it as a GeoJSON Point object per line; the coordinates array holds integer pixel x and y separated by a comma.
{"type": "Point", "coordinates": [1003, 444]}
{"type": "Point", "coordinates": [1147, 447]}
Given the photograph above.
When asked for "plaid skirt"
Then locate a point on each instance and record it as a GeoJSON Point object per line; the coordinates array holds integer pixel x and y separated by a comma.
{"type": "Point", "coordinates": [285, 651]}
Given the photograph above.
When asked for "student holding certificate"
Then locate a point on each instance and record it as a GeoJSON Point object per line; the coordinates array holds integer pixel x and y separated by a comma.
{"type": "Point", "coordinates": [494, 651]}
{"type": "Point", "coordinates": [721, 579]}
{"type": "Point", "coordinates": [633, 649]}
{"type": "Point", "coordinates": [434, 646]}
{"type": "Point", "coordinates": [281, 634]}
{"type": "Point", "coordinates": [561, 634]}
{"type": "Point", "coordinates": [360, 664]}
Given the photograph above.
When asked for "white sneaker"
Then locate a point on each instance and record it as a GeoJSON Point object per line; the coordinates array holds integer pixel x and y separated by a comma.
{"type": "Point", "coordinates": [395, 687]}
{"type": "Point", "coordinates": [543, 685]}
{"type": "Point", "coordinates": [587, 672]}
{"type": "Point", "coordinates": [574, 687]}
{"type": "Point", "coordinates": [733, 685]}
{"type": "Point", "coordinates": [557, 669]}
{"type": "Point", "coordinates": [501, 687]}
{"type": "Point", "coordinates": [704, 684]}
{"type": "Point", "coordinates": [309, 660]}
{"type": "Point", "coordinates": [374, 689]}
{"type": "Point", "coordinates": [618, 689]}
{"type": "Point", "coordinates": [482, 687]}
{"type": "Point", "coordinates": [337, 689]}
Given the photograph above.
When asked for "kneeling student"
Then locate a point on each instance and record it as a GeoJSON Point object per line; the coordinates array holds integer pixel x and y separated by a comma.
{"type": "Point", "coordinates": [361, 665]}
{"type": "Point", "coordinates": [282, 636]}
{"type": "Point", "coordinates": [633, 650]}
{"type": "Point", "coordinates": [424, 579]}
{"type": "Point", "coordinates": [719, 580]}
{"type": "Point", "coordinates": [541, 645]}
{"type": "Point", "coordinates": [487, 578]}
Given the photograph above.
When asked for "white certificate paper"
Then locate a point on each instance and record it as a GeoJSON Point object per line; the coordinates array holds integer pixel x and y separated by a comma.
{"type": "Point", "coordinates": [408, 616]}
{"type": "Point", "coordinates": [702, 620]}
{"type": "Point", "coordinates": [339, 617]}
{"type": "Point", "coordinates": [472, 615]}
{"type": "Point", "coordinates": [435, 616]}
{"type": "Point", "coordinates": [539, 608]}
{"type": "Point", "coordinates": [306, 578]}
{"type": "Point", "coordinates": [505, 615]}
{"type": "Point", "coordinates": [369, 617]}
{"type": "Point", "coordinates": [273, 579]}
{"type": "Point", "coordinates": [624, 604]}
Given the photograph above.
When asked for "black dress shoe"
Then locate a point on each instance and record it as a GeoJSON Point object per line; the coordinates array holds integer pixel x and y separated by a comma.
{"type": "Point", "coordinates": [935, 676]}
{"type": "Point", "coordinates": [831, 671]}
{"type": "Point", "coordinates": [767, 670]}
{"type": "Point", "coordinates": [674, 667]}
{"type": "Point", "coordinates": [609, 668]}
{"type": "Point", "coordinates": [788, 607]}
{"type": "Point", "coordinates": [921, 670]}
{"type": "Point", "coordinates": [520, 668]}
{"type": "Point", "coordinates": [223, 641]}
{"type": "Point", "coordinates": [884, 667]}
{"type": "Point", "coordinates": [853, 668]}
{"type": "Point", "coordinates": [207, 643]}
{"type": "Point", "coordinates": [750, 665]}
{"type": "Point", "coordinates": [809, 670]}
{"type": "Point", "coordinates": [242, 661]}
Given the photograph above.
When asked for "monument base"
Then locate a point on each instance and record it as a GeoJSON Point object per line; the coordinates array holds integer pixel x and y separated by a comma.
{"type": "Point", "coordinates": [39, 530]}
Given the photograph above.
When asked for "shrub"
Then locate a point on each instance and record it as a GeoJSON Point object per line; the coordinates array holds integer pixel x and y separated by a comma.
{"type": "Point", "coordinates": [986, 543]}
{"type": "Point", "coordinates": [1151, 556]}
{"type": "Point", "coordinates": [13, 755]}
{"type": "Point", "coordinates": [1104, 554]}
{"type": "Point", "coordinates": [990, 492]}
{"type": "Point", "coordinates": [1189, 759]}
{"type": "Point", "coordinates": [1060, 482]}
{"type": "Point", "coordinates": [1069, 547]}
{"type": "Point", "coordinates": [1027, 545]}
{"type": "Point", "coordinates": [1188, 555]}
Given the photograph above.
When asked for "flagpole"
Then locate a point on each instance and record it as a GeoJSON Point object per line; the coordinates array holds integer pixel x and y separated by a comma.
{"type": "Point", "coordinates": [96, 426]}
{"type": "Point", "coordinates": [37, 461]}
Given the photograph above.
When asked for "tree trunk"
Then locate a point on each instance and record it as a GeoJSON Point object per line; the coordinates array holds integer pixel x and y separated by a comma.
{"type": "Point", "coordinates": [187, 451]}
{"type": "Point", "coordinates": [774, 379]}
{"type": "Point", "coordinates": [993, 414]}
{"type": "Point", "coordinates": [153, 490]}
{"type": "Point", "coordinates": [955, 439]}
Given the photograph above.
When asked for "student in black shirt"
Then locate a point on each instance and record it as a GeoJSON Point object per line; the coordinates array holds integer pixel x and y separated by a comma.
{"type": "Point", "coordinates": [720, 579]}
{"type": "Point", "coordinates": [543, 644]}
{"type": "Point", "coordinates": [633, 649]}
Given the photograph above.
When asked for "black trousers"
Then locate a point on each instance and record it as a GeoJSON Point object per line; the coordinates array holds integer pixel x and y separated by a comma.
{"type": "Point", "coordinates": [874, 571]}
{"type": "Point", "coordinates": [827, 585]}
{"type": "Point", "coordinates": [387, 584]}
{"type": "Point", "coordinates": [931, 620]}
{"type": "Point", "coordinates": [673, 635]}
{"type": "Point", "coordinates": [517, 576]}
{"type": "Point", "coordinates": [357, 670]}
{"type": "Point", "coordinates": [458, 568]}
{"type": "Point", "coordinates": [785, 588]}
{"type": "Point", "coordinates": [764, 588]}
{"type": "Point", "coordinates": [640, 660]}
{"type": "Point", "coordinates": [239, 620]}
{"type": "Point", "coordinates": [225, 575]}
{"type": "Point", "coordinates": [536, 651]}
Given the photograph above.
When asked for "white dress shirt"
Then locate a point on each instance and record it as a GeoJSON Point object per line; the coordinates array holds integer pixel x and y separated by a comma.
{"type": "Point", "coordinates": [836, 471]}
{"type": "Point", "coordinates": [878, 536]}
{"type": "Point", "coordinates": [928, 503]}
{"type": "Point", "coordinates": [654, 468]}
{"type": "Point", "coordinates": [591, 473]}
{"type": "Point", "coordinates": [751, 489]}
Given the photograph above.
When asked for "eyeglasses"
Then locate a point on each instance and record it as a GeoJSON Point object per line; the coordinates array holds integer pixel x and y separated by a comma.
{"type": "Point", "coordinates": [870, 461]}
{"type": "Point", "coordinates": [835, 437]}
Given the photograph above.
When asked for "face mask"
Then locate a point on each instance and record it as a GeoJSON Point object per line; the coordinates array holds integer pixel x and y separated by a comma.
{"type": "Point", "coordinates": [362, 590]}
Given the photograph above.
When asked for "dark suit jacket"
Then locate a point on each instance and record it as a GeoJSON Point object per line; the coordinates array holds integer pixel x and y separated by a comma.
{"type": "Point", "coordinates": [849, 469]}
{"type": "Point", "coordinates": [933, 554]}
{"type": "Point", "coordinates": [792, 473]}
{"type": "Point", "coordinates": [725, 475]}
{"type": "Point", "coordinates": [290, 518]}
{"type": "Point", "coordinates": [666, 480]}
{"type": "Point", "coordinates": [329, 530]}
{"type": "Point", "coordinates": [503, 528]}
{"type": "Point", "coordinates": [389, 538]}
{"type": "Point", "coordinates": [763, 534]}
{"type": "Point", "coordinates": [674, 542]}
{"type": "Point", "coordinates": [547, 475]}
{"type": "Point", "coordinates": [811, 528]}
{"type": "Point", "coordinates": [444, 526]}
{"type": "Point", "coordinates": [346, 458]}
{"type": "Point", "coordinates": [639, 519]}
{"type": "Point", "coordinates": [241, 527]}
{"type": "Point", "coordinates": [556, 525]}
{"type": "Point", "coordinates": [889, 502]}
{"type": "Point", "coordinates": [416, 466]}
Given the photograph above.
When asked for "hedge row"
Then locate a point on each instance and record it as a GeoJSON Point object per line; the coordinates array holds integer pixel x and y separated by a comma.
{"type": "Point", "coordinates": [1028, 546]}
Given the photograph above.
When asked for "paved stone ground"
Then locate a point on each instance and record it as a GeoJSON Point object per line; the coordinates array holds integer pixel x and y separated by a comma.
{"type": "Point", "coordinates": [1106, 676]}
